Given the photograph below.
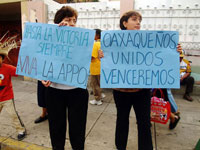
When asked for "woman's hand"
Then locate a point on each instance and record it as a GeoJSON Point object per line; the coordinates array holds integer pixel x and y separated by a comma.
{"type": "Point", "coordinates": [68, 21]}
{"type": "Point", "coordinates": [179, 48]}
{"type": "Point", "coordinates": [46, 83]}
{"type": "Point", "coordinates": [63, 23]}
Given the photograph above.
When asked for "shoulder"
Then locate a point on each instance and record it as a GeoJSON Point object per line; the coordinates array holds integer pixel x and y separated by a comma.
{"type": "Point", "coordinates": [9, 67]}
{"type": "Point", "coordinates": [97, 44]}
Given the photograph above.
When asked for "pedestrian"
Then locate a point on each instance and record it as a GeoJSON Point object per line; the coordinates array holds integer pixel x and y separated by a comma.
{"type": "Point", "coordinates": [6, 91]}
{"type": "Point", "coordinates": [139, 99]}
{"type": "Point", "coordinates": [66, 102]}
{"type": "Point", "coordinates": [186, 78]}
{"type": "Point", "coordinates": [95, 71]}
{"type": "Point", "coordinates": [41, 94]}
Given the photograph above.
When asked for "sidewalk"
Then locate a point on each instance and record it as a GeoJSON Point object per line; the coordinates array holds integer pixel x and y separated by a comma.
{"type": "Point", "coordinates": [100, 124]}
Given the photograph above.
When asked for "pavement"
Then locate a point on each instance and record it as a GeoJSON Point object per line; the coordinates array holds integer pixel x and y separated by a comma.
{"type": "Point", "coordinates": [100, 124]}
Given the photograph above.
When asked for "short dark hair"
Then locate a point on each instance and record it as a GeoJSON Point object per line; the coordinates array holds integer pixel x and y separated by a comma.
{"type": "Point", "coordinates": [98, 33]}
{"type": "Point", "coordinates": [65, 11]}
{"type": "Point", "coordinates": [127, 15]}
{"type": "Point", "coordinates": [2, 56]}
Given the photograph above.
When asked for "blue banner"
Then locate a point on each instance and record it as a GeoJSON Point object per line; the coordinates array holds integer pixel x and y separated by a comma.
{"type": "Point", "coordinates": [140, 59]}
{"type": "Point", "coordinates": [59, 54]}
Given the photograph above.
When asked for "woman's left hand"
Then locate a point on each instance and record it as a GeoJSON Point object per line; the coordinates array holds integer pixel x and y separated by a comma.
{"type": "Point", "coordinates": [46, 83]}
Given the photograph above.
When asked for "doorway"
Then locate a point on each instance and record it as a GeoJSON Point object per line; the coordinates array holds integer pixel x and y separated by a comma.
{"type": "Point", "coordinates": [10, 25]}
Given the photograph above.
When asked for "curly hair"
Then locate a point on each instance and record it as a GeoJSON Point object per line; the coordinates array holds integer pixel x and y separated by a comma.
{"type": "Point", "coordinates": [127, 15]}
{"type": "Point", "coordinates": [65, 11]}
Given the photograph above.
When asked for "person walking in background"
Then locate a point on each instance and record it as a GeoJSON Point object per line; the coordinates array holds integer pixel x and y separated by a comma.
{"type": "Point", "coordinates": [6, 92]}
{"type": "Point", "coordinates": [186, 78]}
{"type": "Point", "coordinates": [95, 71]}
{"type": "Point", "coordinates": [66, 101]}
{"type": "Point", "coordinates": [41, 94]}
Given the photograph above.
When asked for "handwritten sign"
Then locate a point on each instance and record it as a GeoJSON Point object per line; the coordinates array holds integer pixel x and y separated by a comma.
{"type": "Point", "coordinates": [140, 59]}
{"type": "Point", "coordinates": [58, 54]}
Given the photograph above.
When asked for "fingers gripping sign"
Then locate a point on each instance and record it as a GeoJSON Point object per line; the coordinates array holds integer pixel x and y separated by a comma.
{"type": "Point", "coordinates": [46, 83]}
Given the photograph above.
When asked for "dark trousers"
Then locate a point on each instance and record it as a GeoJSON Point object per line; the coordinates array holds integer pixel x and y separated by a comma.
{"type": "Point", "coordinates": [189, 82]}
{"type": "Point", "coordinates": [95, 84]}
{"type": "Point", "coordinates": [141, 104]}
{"type": "Point", "coordinates": [41, 93]}
{"type": "Point", "coordinates": [62, 104]}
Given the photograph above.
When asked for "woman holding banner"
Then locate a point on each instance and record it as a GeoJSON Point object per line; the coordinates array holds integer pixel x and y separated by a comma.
{"type": "Point", "coordinates": [65, 101]}
{"type": "Point", "coordinates": [139, 99]}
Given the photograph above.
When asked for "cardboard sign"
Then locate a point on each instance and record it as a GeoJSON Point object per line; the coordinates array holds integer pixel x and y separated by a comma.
{"type": "Point", "coordinates": [140, 59]}
{"type": "Point", "coordinates": [59, 54]}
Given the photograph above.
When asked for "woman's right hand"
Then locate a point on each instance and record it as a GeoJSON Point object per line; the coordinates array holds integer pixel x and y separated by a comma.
{"type": "Point", "coordinates": [179, 48]}
{"type": "Point", "coordinates": [63, 23]}
{"type": "Point", "coordinates": [46, 83]}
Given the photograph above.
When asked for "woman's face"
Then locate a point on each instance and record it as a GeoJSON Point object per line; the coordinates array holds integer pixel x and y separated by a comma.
{"type": "Point", "coordinates": [133, 23]}
{"type": "Point", "coordinates": [68, 21]}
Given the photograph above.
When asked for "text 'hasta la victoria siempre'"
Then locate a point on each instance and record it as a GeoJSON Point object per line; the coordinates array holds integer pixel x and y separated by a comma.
{"type": "Point", "coordinates": [58, 54]}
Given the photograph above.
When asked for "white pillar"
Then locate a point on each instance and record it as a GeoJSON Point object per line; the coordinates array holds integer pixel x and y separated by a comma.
{"type": "Point", "coordinates": [126, 5]}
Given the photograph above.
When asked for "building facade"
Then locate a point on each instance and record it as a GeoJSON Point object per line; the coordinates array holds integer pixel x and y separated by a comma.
{"type": "Point", "coordinates": [182, 16]}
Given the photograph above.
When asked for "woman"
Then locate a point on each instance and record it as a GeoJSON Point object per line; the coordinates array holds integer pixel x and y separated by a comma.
{"type": "Point", "coordinates": [139, 99]}
{"type": "Point", "coordinates": [65, 101]}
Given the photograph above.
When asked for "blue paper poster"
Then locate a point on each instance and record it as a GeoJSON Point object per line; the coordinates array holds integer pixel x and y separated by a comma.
{"type": "Point", "coordinates": [140, 59]}
{"type": "Point", "coordinates": [59, 54]}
